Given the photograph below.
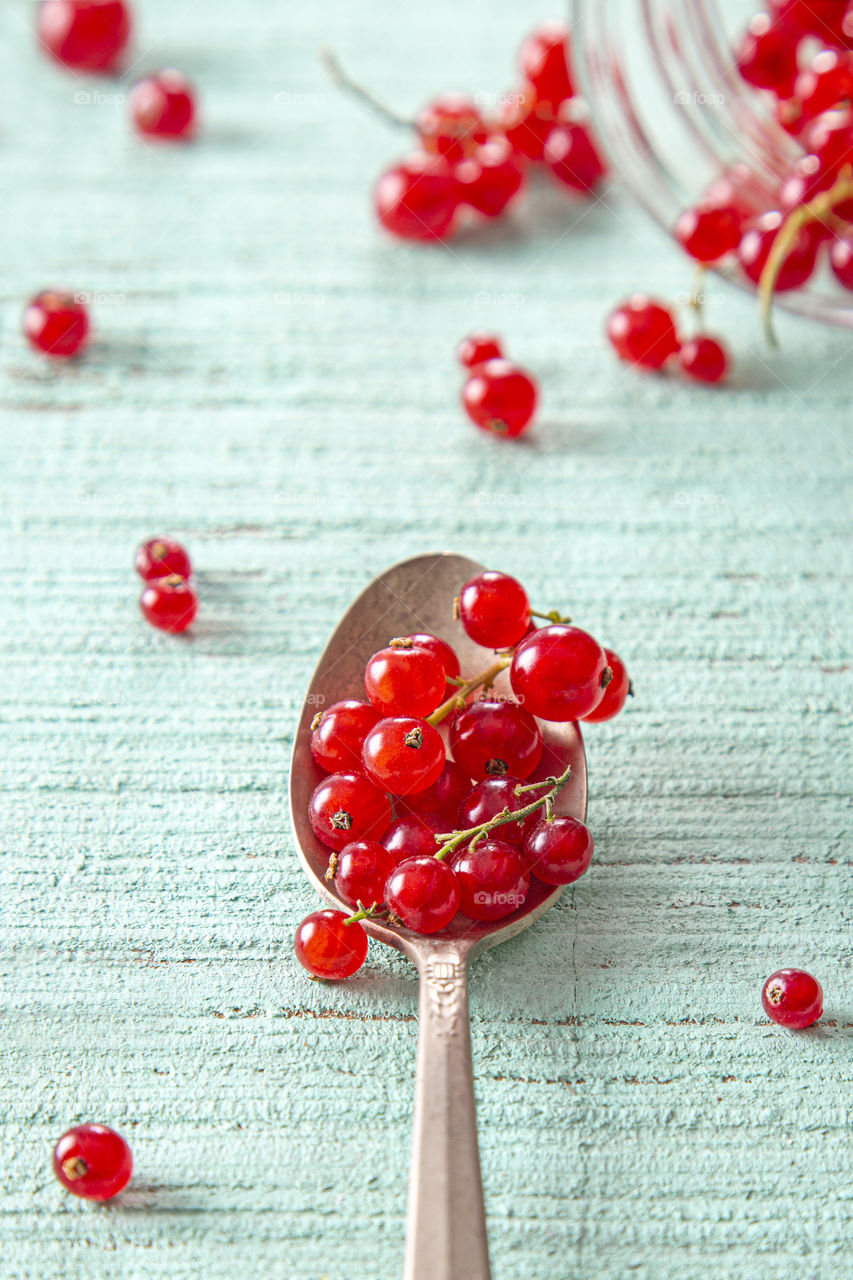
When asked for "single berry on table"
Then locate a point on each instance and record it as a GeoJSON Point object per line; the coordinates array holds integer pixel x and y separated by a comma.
{"type": "Point", "coordinates": [413, 834]}
{"type": "Point", "coordinates": [493, 877]}
{"type": "Point", "coordinates": [338, 734]}
{"type": "Point", "coordinates": [423, 893]}
{"type": "Point", "coordinates": [500, 397]}
{"type": "Point", "coordinates": [56, 324]}
{"type": "Point", "coordinates": [328, 947]}
{"type": "Point", "coordinates": [490, 797]}
{"type": "Point", "coordinates": [793, 998]}
{"type": "Point", "coordinates": [708, 234]}
{"type": "Point", "coordinates": [417, 199]}
{"type": "Point", "coordinates": [163, 106]}
{"type": "Point", "coordinates": [617, 692]}
{"type": "Point", "coordinates": [85, 35]}
{"type": "Point", "coordinates": [704, 359]}
{"type": "Point", "coordinates": [494, 609]}
{"type": "Point", "coordinates": [572, 158]}
{"type": "Point", "coordinates": [477, 348]}
{"type": "Point", "coordinates": [558, 850]}
{"type": "Point", "coordinates": [403, 754]}
{"type": "Point", "coordinates": [93, 1161]}
{"type": "Point", "coordinates": [559, 673]}
{"type": "Point", "coordinates": [169, 604]}
{"type": "Point", "coordinates": [360, 871]}
{"type": "Point", "coordinates": [444, 796]}
{"type": "Point", "coordinates": [347, 806]}
{"type": "Point", "coordinates": [643, 332]}
{"type": "Point", "coordinates": [450, 126]}
{"type": "Point", "coordinates": [162, 558]}
{"type": "Point", "coordinates": [496, 739]}
{"type": "Point", "coordinates": [403, 681]}
{"type": "Point", "coordinates": [489, 178]}
{"type": "Point", "coordinates": [544, 63]}
{"type": "Point", "coordinates": [445, 653]}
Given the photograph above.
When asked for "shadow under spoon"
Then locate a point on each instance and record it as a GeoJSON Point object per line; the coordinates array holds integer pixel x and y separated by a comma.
{"type": "Point", "coordinates": [446, 1231]}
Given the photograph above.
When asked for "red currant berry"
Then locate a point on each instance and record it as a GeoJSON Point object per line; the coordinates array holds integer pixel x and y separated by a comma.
{"type": "Point", "coordinates": [338, 734]}
{"type": "Point", "coordinates": [360, 871]}
{"type": "Point", "coordinates": [558, 850]}
{"type": "Point", "coordinates": [477, 348]}
{"type": "Point", "coordinates": [93, 1161]}
{"type": "Point", "coordinates": [162, 558]}
{"type": "Point", "coordinates": [559, 672]}
{"type": "Point", "coordinates": [403, 754]}
{"type": "Point", "coordinates": [493, 880]}
{"type": "Point", "coordinates": [704, 359]}
{"type": "Point", "coordinates": [617, 692]}
{"type": "Point", "coordinates": [544, 62]}
{"type": "Point", "coordinates": [841, 260]}
{"type": "Point", "coordinates": [169, 603]}
{"type": "Point", "coordinates": [346, 807]}
{"type": "Point", "coordinates": [85, 35]}
{"type": "Point", "coordinates": [500, 397]}
{"type": "Point", "coordinates": [489, 798]}
{"type": "Point", "coordinates": [754, 250]}
{"type": "Point", "coordinates": [495, 739]}
{"type": "Point", "coordinates": [442, 650]}
{"type": "Point", "coordinates": [403, 681]}
{"type": "Point", "coordinates": [708, 234]}
{"type": "Point", "coordinates": [793, 998]}
{"type": "Point", "coordinates": [412, 835]}
{"type": "Point", "coordinates": [417, 199]}
{"type": "Point", "coordinates": [571, 156]}
{"type": "Point", "coordinates": [494, 609]}
{"type": "Point", "coordinates": [738, 188]}
{"type": "Point", "coordinates": [526, 122]}
{"type": "Point", "coordinates": [829, 20]}
{"type": "Point", "coordinates": [830, 138]}
{"type": "Point", "coordinates": [163, 106]}
{"type": "Point", "coordinates": [444, 796]}
{"type": "Point", "coordinates": [643, 332]}
{"type": "Point", "coordinates": [824, 84]}
{"type": "Point", "coordinates": [489, 178]}
{"type": "Point", "coordinates": [450, 126]}
{"type": "Point", "coordinates": [56, 324]}
{"type": "Point", "coordinates": [423, 894]}
{"type": "Point", "coordinates": [767, 58]}
{"type": "Point", "coordinates": [328, 947]}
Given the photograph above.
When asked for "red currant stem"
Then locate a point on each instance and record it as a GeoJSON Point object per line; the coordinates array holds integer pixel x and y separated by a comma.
{"type": "Point", "coordinates": [553, 616]}
{"type": "Point", "coordinates": [344, 81]}
{"type": "Point", "coordinates": [535, 786]}
{"type": "Point", "coordinates": [454, 839]}
{"type": "Point", "coordinates": [457, 700]}
{"type": "Point", "coordinates": [549, 808]}
{"type": "Point", "coordinates": [363, 913]}
{"type": "Point", "coordinates": [816, 210]}
{"type": "Point", "coordinates": [695, 300]}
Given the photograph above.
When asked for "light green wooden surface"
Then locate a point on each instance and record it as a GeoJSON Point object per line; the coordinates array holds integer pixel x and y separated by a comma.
{"type": "Point", "coordinates": [275, 383]}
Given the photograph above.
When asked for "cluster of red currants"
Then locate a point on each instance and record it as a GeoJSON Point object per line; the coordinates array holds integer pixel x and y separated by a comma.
{"type": "Point", "coordinates": [167, 601]}
{"type": "Point", "coordinates": [93, 37]}
{"type": "Point", "coordinates": [498, 396]}
{"type": "Point", "coordinates": [418, 834]}
{"type": "Point", "coordinates": [643, 333]}
{"type": "Point", "coordinates": [469, 161]}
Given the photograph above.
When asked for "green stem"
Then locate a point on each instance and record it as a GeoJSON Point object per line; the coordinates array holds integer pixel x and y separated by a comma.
{"type": "Point", "coordinates": [363, 913]}
{"type": "Point", "coordinates": [453, 839]}
{"type": "Point", "coordinates": [553, 616]}
{"type": "Point", "coordinates": [457, 700]}
{"type": "Point", "coordinates": [340, 77]}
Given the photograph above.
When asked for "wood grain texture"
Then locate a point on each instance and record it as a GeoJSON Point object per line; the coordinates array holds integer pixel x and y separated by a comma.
{"type": "Point", "coordinates": [275, 383]}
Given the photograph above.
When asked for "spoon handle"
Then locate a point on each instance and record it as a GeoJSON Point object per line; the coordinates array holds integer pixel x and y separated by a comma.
{"type": "Point", "coordinates": [446, 1233]}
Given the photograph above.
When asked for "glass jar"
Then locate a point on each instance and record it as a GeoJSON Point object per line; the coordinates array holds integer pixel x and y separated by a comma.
{"type": "Point", "coordinates": [674, 116]}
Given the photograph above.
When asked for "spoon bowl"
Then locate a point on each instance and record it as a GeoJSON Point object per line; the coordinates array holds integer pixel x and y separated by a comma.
{"type": "Point", "coordinates": [446, 1235]}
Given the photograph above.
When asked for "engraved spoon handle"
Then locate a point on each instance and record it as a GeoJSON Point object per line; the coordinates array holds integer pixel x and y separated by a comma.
{"type": "Point", "coordinates": [446, 1232]}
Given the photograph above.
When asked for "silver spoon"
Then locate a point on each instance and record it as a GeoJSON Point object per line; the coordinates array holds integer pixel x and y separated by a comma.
{"type": "Point", "coordinates": [446, 1232]}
